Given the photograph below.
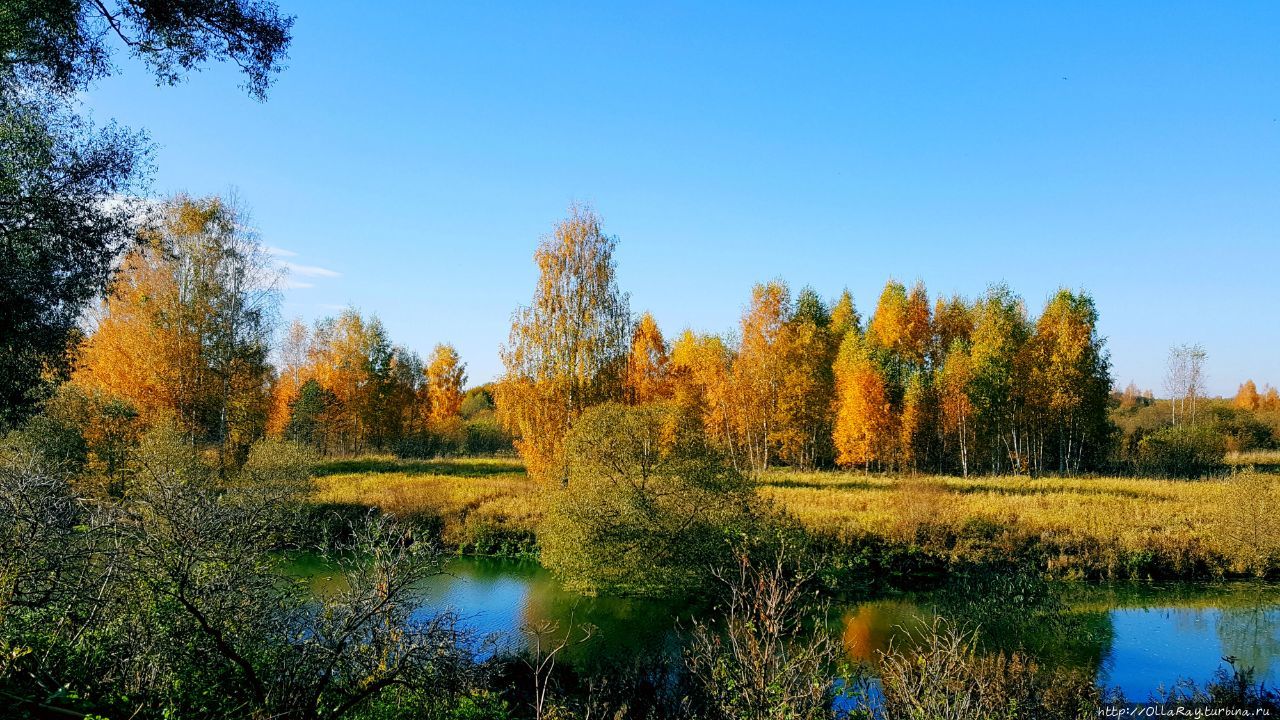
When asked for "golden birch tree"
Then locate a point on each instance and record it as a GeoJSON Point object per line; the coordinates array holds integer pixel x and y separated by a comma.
{"type": "Point", "coordinates": [567, 349]}
{"type": "Point", "coordinates": [647, 366]}
{"type": "Point", "coordinates": [758, 372]}
{"type": "Point", "coordinates": [805, 398]}
{"type": "Point", "coordinates": [446, 375]}
{"type": "Point", "coordinates": [700, 371]}
{"type": "Point", "coordinates": [864, 425]}
{"type": "Point", "coordinates": [954, 380]}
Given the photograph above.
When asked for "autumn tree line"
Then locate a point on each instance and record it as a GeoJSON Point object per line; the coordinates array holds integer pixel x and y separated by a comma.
{"type": "Point", "coordinates": [184, 335]}
{"type": "Point", "coordinates": [923, 384]}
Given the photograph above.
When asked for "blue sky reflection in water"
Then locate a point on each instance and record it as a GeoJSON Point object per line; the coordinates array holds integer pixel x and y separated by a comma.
{"type": "Point", "coordinates": [1137, 636]}
{"type": "Point", "coordinates": [1151, 646]}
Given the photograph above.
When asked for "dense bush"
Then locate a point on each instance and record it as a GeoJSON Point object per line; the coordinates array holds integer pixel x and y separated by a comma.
{"type": "Point", "coordinates": [483, 436]}
{"type": "Point", "coordinates": [170, 601]}
{"type": "Point", "coordinates": [274, 461]}
{"type": "Point", "coordinates": [646, 507]}
{"type": "Point", "coordinates": [1182, 451]}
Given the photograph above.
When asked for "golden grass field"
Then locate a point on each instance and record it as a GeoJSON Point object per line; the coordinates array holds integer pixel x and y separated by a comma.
{"type": "Point", "coordinates": [1113, 526]}
{"type": "Point", "coordinates": [1108, 526]}
{"type": "Point", "coordinates": [1254, 457]}
{"type": "Point", "coordinates": [470, 495]}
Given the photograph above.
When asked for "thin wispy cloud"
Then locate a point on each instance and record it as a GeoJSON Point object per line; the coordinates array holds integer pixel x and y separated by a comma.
{"type": "Point", "coordinates": [280, 252]}
{"type": "Point", "coordinates": [311, 270]}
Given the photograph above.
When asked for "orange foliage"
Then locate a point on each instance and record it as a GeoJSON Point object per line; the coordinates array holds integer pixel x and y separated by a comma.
{"type": "Point", "coordinates": [647, 379]}
{"type": "Point", "coordinates": [863, 421]}
{"type": "Point", "coordinates": [1247, 397]}
{"type": "Point", "coordinates": [446, 375]}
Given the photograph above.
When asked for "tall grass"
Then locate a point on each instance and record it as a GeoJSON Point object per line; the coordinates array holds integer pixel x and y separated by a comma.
{"type": "Point", "coordinates": [1113, 527]}
{"type": "Point", "coordinates": [1071, 527]}
{"type": "Point", "coordinates": [480, 505]}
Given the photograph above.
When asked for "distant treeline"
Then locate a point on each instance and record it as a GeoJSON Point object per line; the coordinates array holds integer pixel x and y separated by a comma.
{"type": "Point", "coordinates": [941, 384]}
{"type": "Point", "coordinates": [184, 334]}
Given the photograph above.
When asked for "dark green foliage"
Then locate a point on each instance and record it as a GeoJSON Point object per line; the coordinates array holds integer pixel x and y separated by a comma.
{"type": "Point", "coordinates": [1182, 451]}
{"type": "Point", "coordinates": [61, 225]}
{"type": "Point", "coordinates": [305, 414]}
{"type": "Point", "coordinates": [53, 439]}
{"type": "Point", "coordinates": [420, 445]}
{"type": "Point", "coordinates": [485, 436]}
{"type": "Point", "coordinates": [478, 402]}
{"type": "Point", "coordinates": [64, 45]}
{"type": "Point", "coordinates": [1241, 430]}
{"type": "Point", "coordinates": [810, 308]}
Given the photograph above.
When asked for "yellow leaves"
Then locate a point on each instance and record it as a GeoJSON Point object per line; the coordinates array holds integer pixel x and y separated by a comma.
{"type": "Point", "coordinates": [647, 379]}
{"type": "Point", "coordinates": [758, 370]}
{"type": "Point", "coordinates": [844, 318]}
{"type": "Point", "coordinates": [901, 323]}
{"type": "Point", "coordinates": [567, 350]}
{"type": "Point", "coordinates": [700, 386]}
{"type": "Point", "coordinates": [912, 422]}
{"type": "Point", "coordinates": [446, 375]}
{"type": "Point", "coordinates": [1247, 397]}
{"type": "Point", "coordinates": [804, 412]}
{"type": "Point", "coordinates": [863, 421]}
{"type": "Point", "coordinates": [182, 332]}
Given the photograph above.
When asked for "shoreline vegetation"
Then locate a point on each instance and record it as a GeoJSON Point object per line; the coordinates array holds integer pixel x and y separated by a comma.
{"type": "Point", "coordinates": [164, 437]}
{"type": "Point", "coordinates": [899, 529]}
{"type": "Point", "coordinates": [949, 443]}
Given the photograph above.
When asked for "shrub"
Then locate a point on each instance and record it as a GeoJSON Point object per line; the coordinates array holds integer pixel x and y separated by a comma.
{"type": "Point", "coordinates": [418, 446]}
{"type": "Point", "coordinates": [274, 461]}
{"type": "Point", "coordinates": [768, 662]}
{"type": "Point", "coordinates": [646, 508]}
{"type": "Point", "coordinates": [1182, 451]}
{"type": "Point", "coordinates": [1248, 518]}
{"type": "Point", "coordinates": [485, 436]}
{"type": "Point", "coordinates": [444, 438]}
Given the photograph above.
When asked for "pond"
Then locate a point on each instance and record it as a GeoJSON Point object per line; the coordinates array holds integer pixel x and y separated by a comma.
{"type": "Point", "coordinates": [1136, 637]}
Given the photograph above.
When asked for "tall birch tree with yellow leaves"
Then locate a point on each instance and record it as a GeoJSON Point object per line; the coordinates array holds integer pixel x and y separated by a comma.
{"type": "Point", "coordinates": [567, 349]}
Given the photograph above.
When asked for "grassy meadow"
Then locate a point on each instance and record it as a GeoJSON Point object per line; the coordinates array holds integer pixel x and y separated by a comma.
{"type": "Point", "coordinates": [480, 505]}
{"type": "Point", "coordinates": [1083, 527]}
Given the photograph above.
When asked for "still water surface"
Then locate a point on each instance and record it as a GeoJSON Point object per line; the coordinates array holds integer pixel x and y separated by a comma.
{"type": "Point", "coordinates": [1133, 636]}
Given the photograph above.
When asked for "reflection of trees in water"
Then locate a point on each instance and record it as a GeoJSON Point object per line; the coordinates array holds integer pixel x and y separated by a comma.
{"type": "Point", "coordinates": [1251, 634]}
{"type": "Point", "coordinates": [627, 628]}
{"type": "Point", "coordinates": [1016, 610]}
{"type": "Point", "coordinates": [1055, 638]}
{"type": "Point", "coordinates": [870, 628]}
{"type": "Point", "coordinates": [1245, 618]}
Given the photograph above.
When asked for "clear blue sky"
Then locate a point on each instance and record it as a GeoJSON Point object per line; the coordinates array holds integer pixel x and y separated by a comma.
{"type": "Point", "coordinates": [413, 153]}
